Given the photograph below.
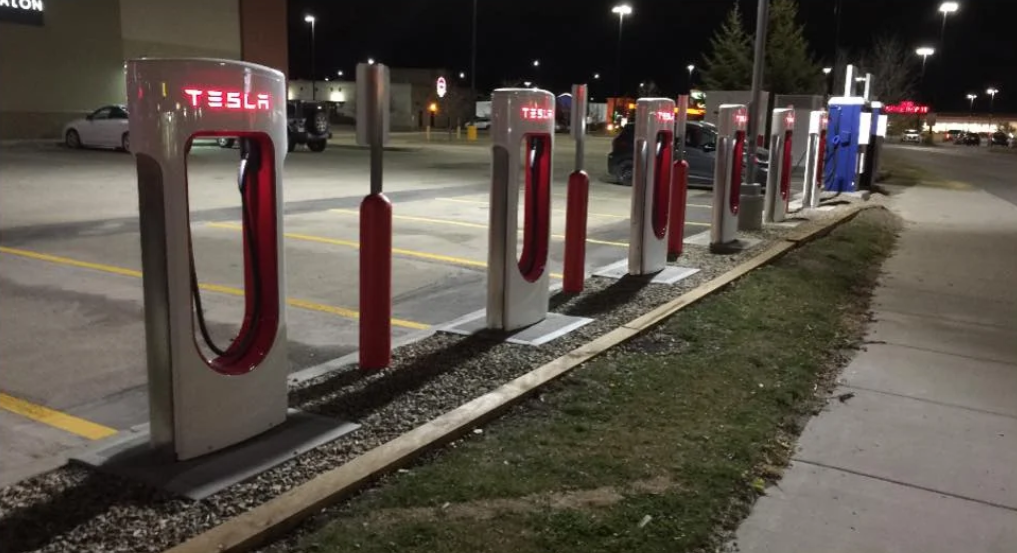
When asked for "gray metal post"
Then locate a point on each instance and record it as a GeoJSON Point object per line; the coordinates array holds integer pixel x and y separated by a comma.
{"type": "Point", "coordinates": [750, 216]}
{"type": "Point", "coordinates": [762, 20]}
{"type": "Point", "coordinates": [580, 98]}
{"type": "Point", "coordinates": [377, 149]}
{"type": "Point", "coordinates": [679, 125]}
{"type": "Point", "coordinates": [373, 115]}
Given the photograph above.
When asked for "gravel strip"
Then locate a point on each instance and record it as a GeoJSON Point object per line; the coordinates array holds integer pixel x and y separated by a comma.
{"type": "Point", "coordinates": [77, 509]}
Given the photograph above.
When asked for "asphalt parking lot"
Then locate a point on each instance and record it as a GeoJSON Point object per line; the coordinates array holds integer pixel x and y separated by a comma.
{"type": "Point", "coordinates": [71, 308]}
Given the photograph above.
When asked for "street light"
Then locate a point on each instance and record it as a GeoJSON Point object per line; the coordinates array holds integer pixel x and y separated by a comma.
{"type": "Point", "coordinates": [596, 76]}
{"type": "Point", "coordinates": [691, 68]}
{"type": "Point", "coordinates": [925, 52]}
{"type": "Point", "coordinates": [339, 73]}
{"type": "Point", "coordinates": [992, 92]}
{"type": "Point", "coordinates": [370, 61]}
{"type": "Point", "coordinates": [462, 75]}
{"type": "Point", "coordinates": [827, 70]}
{"type": "Point", "coordinates": [946, 8]}
{"type": "Point", "coordinates": [314, 78]}
{"type": "Point", "coordinates": [622, 10]}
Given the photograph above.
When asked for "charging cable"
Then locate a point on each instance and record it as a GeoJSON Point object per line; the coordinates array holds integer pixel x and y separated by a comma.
{"type": "Point", "coordinates": [250, 165]}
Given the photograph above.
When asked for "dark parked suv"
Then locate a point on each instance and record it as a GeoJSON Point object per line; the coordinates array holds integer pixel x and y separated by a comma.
{"type": "Point", "coordinates": [306, 123]}
{"type": "Point", "coordinates": [700, 153]}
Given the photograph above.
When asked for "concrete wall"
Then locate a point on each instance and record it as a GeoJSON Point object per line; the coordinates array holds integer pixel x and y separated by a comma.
{"type": "Point", "coordinates": [61, 70]}
{"type": "Point", "coordinates": [198, 28]}
{"type": "Point", "coordinates": [74, 62]}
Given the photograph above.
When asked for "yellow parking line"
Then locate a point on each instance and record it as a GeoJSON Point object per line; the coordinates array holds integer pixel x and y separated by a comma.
{"type": "Point", "coordinates": [56, 419]}
{"type": "Point", "coordinates": [356, 245]}
{"type": "Point", "coordinates": [71, 262]}
{"type": "Point", "coordinates": [418, 219]}
{"type": "Point", "coordinates": [591, 214]}
{"type": "Point", "coordinates": [478, 202]}
{"type": "Point", "coordinates": [302, 304]}
{"type": "Point", "coordinates": [610, 199]}
{"type": "Point", "coordinates": [472, 225]}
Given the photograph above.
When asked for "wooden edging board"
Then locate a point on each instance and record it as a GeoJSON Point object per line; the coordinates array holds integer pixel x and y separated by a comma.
{"type": "Point", "coordinates": [274, 517]}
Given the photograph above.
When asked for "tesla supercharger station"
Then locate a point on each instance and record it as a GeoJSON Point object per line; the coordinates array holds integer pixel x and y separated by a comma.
{"type": "Point", "coordinates": [814, 155]}
{"type": "Point", "coordinates": [522, 123]}
{"type": "Point", "coordinates": [778, 178]}
{"type": "Point", "coordinates": [727, 178]}
{"type": "Point", "coordinates": [201, 404]}
{"type": "Point", "coordinates": [651, 185]}
{"type": "Point", "coordinates": [210, 405]}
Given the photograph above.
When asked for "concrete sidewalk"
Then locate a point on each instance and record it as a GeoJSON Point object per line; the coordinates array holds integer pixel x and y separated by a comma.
{"type": "Point", "coordinates": [923, 458]}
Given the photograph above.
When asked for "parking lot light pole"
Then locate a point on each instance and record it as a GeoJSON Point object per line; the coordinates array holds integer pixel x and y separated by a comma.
{"type": "Point", "coordinates": [622, 10]}
{"type": "Point", "coordinates": [314, 78]}
{"type": "Point", "coordinates": [473, 66]}
{"type": "Point", "coordinates": [946, 8]}
{"type": "Point", "coordinates": [992, 91]}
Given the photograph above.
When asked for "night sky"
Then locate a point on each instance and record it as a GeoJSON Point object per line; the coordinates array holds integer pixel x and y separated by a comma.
{"type": "Point", "coordinates": [573, 39]}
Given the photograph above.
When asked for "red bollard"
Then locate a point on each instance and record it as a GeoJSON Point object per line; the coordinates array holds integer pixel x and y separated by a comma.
{"type": "Point", "coordinates": [375, 282]}
{"type": "Point", "coordinates": [679, 195]}
{"type": "Point", "coordinates": [575, 232]}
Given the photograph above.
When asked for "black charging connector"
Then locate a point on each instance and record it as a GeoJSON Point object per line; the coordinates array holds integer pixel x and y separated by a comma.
{"type": "Point", "coordinates": [250, 165]}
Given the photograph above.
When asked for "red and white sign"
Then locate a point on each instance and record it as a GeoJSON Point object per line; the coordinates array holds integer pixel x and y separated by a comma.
{"type": "Point", "coordinates": [442, 87]}
{"type": "Point", "coordinates": [906, 107]}
{"type": "Point", "coordinates": [228, 99]}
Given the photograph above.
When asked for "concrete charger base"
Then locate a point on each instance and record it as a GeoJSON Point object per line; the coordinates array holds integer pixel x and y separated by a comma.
{"type": "Point", "coordinates": [129, 455]}
{"type": "Point", "coordinates": [552, 327]}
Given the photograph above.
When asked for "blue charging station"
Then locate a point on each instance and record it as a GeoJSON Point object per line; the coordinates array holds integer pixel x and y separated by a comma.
{"type": "Point", "coordinates": [840, 166]}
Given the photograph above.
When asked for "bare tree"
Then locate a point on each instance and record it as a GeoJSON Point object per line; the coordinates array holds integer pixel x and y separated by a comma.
{"type": "Point", "coordinates": [893, 68]}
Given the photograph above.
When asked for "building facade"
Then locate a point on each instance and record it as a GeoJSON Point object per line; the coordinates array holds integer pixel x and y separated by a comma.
{"type": "Point", "coordinates": [61, 59]}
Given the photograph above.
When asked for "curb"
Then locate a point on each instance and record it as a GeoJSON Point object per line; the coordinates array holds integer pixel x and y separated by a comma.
{"type": "Point", "coordinates": [269, 520]}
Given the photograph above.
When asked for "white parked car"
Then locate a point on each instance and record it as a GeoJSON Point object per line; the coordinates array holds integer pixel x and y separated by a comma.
{"type": "Point", "coordinates": [105, 127]}
{"type": "Point", "coordinates": [911, 136]}
{"type": "Point", "coordinates": [482, 123]}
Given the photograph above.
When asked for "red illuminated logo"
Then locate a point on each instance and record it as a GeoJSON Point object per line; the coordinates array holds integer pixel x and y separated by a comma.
{"type": "Point", "coordinates": [228, 99]}
{"type": "Point", "coordinates": [538, 114]}
{"type": "Point", "coordinates": [665, 116]}
{"type": "Point", "coordinates": [906, 107]}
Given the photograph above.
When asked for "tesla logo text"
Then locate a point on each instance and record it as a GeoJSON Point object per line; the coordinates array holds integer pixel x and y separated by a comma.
{"type": "Point", "coordinates": [665, 116]}
{"type": "Point", "coordinates": [228, 99]}
{"type": "Point", "coordinates": [538, 114]}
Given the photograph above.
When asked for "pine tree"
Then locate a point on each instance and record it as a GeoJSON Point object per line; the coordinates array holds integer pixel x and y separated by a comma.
{"type": "Point", "coordinates": [790, 68]}
{"type": "Point", "coordinates": [729, 65]}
